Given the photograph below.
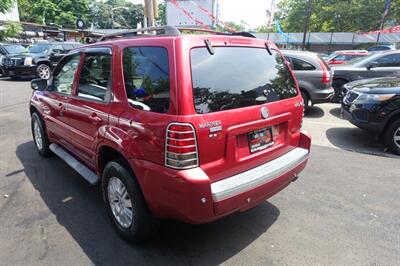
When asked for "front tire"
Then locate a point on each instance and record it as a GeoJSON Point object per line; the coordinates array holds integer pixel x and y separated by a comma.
{"type": "Point", "coordinates": [337, 85]}
{"type": "Point", "coordinates": [39, 135]}
{"type": "Point", "coordinates": [126, 205]}
{"type": "Point", "coordinates": [392, 136]}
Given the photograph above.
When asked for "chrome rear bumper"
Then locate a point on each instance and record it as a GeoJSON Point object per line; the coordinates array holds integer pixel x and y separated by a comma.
{"type": "Point", "coordinates": [258, 176]}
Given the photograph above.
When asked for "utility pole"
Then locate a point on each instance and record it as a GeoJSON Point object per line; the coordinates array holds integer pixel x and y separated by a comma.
{"type": "Point", "coordinates": [306, 23]}
{"type": "Point", "coordinates": [151, 8]}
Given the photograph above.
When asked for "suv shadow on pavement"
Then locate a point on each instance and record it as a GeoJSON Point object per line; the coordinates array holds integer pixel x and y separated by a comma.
{"type": "Point", "coordinates": [314, 112]}
{"type": "Point", "coordinates": [357, 140]}
{"type": "Point", "coordinates": [79, 208]}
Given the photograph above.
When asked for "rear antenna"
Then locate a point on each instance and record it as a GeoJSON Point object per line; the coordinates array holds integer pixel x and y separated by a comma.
{"type": "Point", "coordinates": [210, 48]}
{"type": "Point", "coordinates": [269, 51]}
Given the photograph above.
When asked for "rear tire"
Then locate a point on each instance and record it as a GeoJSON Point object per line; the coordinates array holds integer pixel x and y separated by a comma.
{"type": "Point", "coordinates": [306, 100]}
{"type": "Point", "coordinates": [39, 135]}
{"type": "Point", "coordinates": [126, 205]}
{"type": "Point", "coordinates": [392, 136]}
{"type": "Point", "coordinates": [43, 71]}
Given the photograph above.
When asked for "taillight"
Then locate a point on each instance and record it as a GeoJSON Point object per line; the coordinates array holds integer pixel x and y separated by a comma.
{"type": "Point", "coordinates": [181, 146]}
{"type": "Point", "coordinates": [326, 74]}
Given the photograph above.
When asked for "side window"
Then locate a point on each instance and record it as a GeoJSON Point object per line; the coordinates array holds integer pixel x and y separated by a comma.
{"type": "Point", "coordinates": [68, 47]}
{"type": "Point", "coordinates": [392, 60]}
{"type": "Point", "coordinates": [95, 77]}
{"type": "Point", "coordinates": [301, 65]}
{"type": "Point", "coordinates": [63, 79]}
{"type": "Point", "coordinates": [58, 49]}
{"type": "Point", "coordinates": [146, 77]}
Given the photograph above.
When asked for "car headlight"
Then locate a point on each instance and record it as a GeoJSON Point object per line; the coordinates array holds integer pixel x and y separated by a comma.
{"type": "Point", "coordinates": [28, 61]}
{"type": "Point", "coordinates": [375, 97]}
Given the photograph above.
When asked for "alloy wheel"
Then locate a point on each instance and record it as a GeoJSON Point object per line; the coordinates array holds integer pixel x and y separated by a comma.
{"type": "Point", "coordinates": [44, 72]}
{"type": "Point", "coordinates": [396, 137]}
{"type": "Point", "coordinates": [120, 202]}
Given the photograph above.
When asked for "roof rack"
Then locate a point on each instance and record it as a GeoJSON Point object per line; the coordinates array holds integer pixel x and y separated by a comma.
{"type": "Point", "coordinates": [167, 31]}
{"type": "Point", "coordinates": [164, 30]}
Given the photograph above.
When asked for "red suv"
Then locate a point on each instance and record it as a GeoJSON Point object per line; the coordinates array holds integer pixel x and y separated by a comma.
{"type": "Point", "coordinates": [184, 127]}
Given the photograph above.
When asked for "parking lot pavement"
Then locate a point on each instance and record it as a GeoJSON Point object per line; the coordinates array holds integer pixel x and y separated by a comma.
{"type": "Point", "coordinates": [343, 210]}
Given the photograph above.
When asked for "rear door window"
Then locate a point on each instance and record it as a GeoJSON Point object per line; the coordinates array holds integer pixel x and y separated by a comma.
{"type": "Point", "coordinates": [146, 75]}
{"type": "Point", "coordinates": [299, 64]}
{"type": "Point", "coordinates": [235, 77]}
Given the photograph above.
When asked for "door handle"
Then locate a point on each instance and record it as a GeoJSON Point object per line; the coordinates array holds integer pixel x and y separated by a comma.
{"type": "Point", "coordinates": [95, 118]}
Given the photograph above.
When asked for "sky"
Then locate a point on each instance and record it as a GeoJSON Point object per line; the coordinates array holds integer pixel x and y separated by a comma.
{"type": "Point", "coordinates": [253, 12]}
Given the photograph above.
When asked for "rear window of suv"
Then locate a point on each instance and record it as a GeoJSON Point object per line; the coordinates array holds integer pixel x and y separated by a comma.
{"type": "Point", "coordinates": [235, 77]}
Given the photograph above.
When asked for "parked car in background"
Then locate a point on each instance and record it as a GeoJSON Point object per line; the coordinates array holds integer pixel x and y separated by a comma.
{"type": "Point", "coordinates": [374, 105]}
{"type": "Point", "coordinates": [313, 75]}
{"type": "Point", "coordinates": [379, 64]}
{"type": "Point", "coordinates": [6, 49]}
{"type": "Point", "coordinates": [340, 57]}
{"type": "Point", "coordinates": [381, 48]}
{"type": "Point", "coordinates": [114, 111]}
{"type": "Point", "coordinates": [37, 60]}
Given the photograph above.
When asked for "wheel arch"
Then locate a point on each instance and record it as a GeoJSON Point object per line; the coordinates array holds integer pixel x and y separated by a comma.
{"type": "Point", "coordinates": [393, 117]}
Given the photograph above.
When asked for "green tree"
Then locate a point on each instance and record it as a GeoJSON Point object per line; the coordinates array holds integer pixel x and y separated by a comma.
{"type": "Point", "coordinates": [162, 19]}
{"type": "Point", "coordinates": [6, 5]}
{"type": "Point", "coordinates": [123, 18]}
{"type": "Point", "coordinates": [11, 30]}
{"type": "Point", "coordinates": [336, 15]}
{"type": "Point", "coordinates": [61, 12]}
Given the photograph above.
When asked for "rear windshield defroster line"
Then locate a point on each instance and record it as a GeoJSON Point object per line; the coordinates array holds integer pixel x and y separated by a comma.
{"type": "Point", "coordinates": [235, 77]}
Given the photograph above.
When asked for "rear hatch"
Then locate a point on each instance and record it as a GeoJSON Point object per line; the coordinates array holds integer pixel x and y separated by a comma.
{"type": "Point", "coordinates": [247, 107]}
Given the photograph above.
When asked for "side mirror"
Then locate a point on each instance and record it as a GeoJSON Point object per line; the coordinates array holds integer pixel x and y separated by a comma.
{"type": "Point", "coordinates": [372, 65]}
{"type": "Point", "coordinates": [39, 84]}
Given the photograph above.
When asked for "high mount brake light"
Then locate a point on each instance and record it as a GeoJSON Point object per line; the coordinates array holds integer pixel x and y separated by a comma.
{"type": "Point", "coordinates": [181, 146]}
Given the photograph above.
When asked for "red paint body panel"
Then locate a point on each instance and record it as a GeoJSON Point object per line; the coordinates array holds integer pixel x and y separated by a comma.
{"type": "Point", "coordinates": [140, 135]}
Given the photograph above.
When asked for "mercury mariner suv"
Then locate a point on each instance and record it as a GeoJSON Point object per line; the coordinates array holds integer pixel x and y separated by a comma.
{"type": "Point", "coordinates": [174, 126]}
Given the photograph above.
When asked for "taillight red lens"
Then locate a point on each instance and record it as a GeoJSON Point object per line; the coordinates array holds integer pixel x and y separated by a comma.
{"type": "Point", "coordinates": [181, 146]}
{"type": "Point", "coordinates": [326, 74]}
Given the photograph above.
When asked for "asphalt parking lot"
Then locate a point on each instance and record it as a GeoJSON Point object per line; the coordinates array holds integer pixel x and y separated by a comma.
{"type": "Point", "coordinates": [343, 210]}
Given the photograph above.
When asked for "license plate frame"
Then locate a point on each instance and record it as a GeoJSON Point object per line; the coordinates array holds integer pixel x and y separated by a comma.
{"type": "Point", "coordinates": [260, 139]}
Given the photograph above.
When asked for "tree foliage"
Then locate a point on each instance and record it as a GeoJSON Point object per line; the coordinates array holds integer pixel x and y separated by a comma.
{"type": "Point", "coordinates": [66, 12]}
{"type": "Point", "coordinates": [11, 30]}
{"type": "Point", "coordinates": [60, 12]}
{"type": "Point", "coordinates": [336, 15]}
{"type": "Point", "coordinates": [6, 5]}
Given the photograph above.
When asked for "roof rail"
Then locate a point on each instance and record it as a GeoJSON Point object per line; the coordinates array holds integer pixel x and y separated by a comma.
{"type": "Point", "coordinates": [169, 31]}
{"type": "Point", "coordinates": [244, 34]}
{"type": "Point", "coordinates": [164, 30]}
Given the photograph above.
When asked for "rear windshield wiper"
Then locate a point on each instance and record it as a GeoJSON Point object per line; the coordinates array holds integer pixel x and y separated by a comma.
{"type": "Point", "coordinates": [209, 46]}
{"type": "Point", "coordinates": [269, 51]}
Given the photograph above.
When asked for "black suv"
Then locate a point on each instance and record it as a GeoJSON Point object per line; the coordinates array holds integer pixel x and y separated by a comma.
{"type": "Point", "coordinates": [37, 61]}
{"type": "Point", "coordinates": [9, 48]}
{"type": "Point", "coordinates": [374, 105]}
{"type": "Point", "coordinates": [379, 64]}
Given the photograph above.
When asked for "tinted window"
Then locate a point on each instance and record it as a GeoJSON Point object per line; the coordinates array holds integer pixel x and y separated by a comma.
{"type": "Point", "coordinates": [392, 60]}
{"type": "Point", "coordinates": [39, 49]}
{"type": "Point", "coordinates": [14, 49]}
{"type": "Point", "coordinates": [68, 47]}
{"type": "Point", "coordinates": [298, 64]}
{"type": "Point", "coordinates": [95, 77]}
{"type": "Point", "coordinates": [236, 77]}
{"type": "Point", "coordinates": [146, 76]}
{"type": "Point", "coordinates": [63, 80]}
{"type": "Point", "coordinates": [58, 49]}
